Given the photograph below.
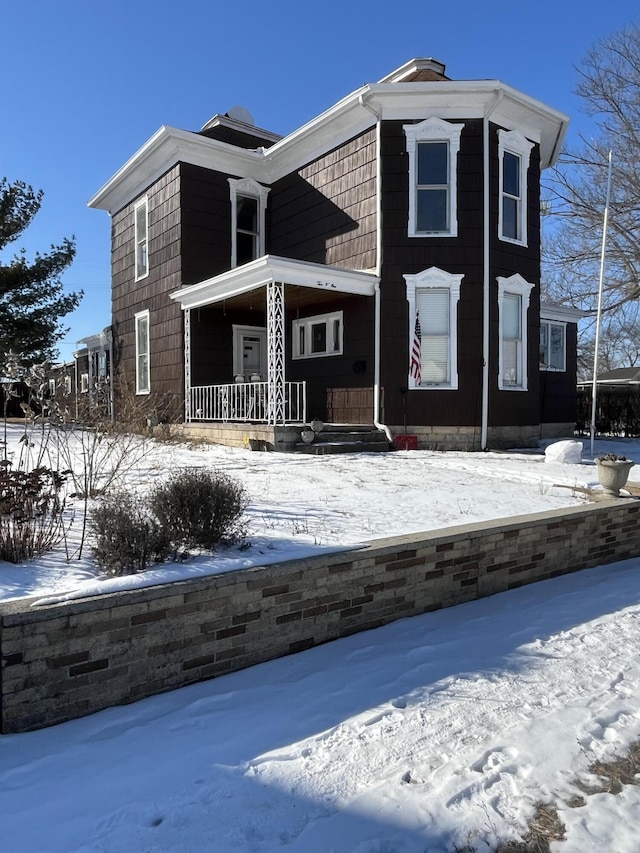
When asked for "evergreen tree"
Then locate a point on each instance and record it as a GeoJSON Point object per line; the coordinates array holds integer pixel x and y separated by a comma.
{"type": "Point", "coordinates": [32, 299]}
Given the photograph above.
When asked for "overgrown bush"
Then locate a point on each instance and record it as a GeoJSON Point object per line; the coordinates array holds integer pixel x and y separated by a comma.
{"type": "Point", "coordinates": [127, 536]}
{"type": "Point", "coordinates": [200, 508]}
{"type": "Point", "coordinates": [31, 511]}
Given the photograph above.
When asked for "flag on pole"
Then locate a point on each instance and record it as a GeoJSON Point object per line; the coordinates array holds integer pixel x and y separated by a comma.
{"type": "Point", "coordinates": [416, 352]}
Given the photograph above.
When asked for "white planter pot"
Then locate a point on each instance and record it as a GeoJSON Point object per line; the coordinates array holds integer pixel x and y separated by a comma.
{"type": "Point", "coordinates": [613, 475]}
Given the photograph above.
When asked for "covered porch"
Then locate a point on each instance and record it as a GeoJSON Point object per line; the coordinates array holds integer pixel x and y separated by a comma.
{"type": "Point", "coordinates": [264, 342]}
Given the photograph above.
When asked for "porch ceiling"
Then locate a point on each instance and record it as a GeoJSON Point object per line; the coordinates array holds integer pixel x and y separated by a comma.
{"type": "Point", "coordinates": [256, 274]}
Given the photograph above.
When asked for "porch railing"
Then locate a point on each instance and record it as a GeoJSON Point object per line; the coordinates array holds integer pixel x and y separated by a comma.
{"type": "Point", "coordinates": [247, 401]}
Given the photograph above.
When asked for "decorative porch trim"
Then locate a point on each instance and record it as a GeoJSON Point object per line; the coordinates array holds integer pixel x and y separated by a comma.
{"type": "Point", "coordinates": [275, 352]}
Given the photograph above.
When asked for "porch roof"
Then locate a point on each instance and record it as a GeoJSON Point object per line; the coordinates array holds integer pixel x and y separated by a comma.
{"type": "Point", "coordinates": [269, 268]}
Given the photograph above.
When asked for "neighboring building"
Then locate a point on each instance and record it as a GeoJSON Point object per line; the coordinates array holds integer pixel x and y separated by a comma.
{"type": "Point", "coordinates": [267, 279]}
{"type": "Point", "coordinates": [93, 375]}
{"type": "Point", "coordinates": [619, 376]}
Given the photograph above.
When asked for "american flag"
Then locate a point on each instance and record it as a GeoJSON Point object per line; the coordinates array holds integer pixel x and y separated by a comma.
{"type": "Point", "coordinates": [416, 352]}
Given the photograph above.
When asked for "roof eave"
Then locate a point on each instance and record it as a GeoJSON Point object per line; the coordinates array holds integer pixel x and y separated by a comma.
{"type": "Point", "coordinates": [272, 268]}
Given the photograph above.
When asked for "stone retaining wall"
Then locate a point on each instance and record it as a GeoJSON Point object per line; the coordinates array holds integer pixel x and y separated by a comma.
{"type": "Point", "coordinates": [62, 661]}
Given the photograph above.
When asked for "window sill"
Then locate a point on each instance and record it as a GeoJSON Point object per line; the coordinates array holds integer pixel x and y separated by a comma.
{"type": "Point", "coordinates": [513, 242]}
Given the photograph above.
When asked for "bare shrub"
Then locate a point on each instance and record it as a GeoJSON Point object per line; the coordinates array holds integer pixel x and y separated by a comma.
{"type": "Point", "coordinates": [31, 512]}
{"type": "Point", "coordinates": [127, 537]}
{"type": "Point", "coordinates": [200, 508]}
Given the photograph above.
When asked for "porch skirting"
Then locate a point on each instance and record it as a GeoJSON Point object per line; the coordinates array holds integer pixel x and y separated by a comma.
{"type": "Point", "coordinates": [246, 435]}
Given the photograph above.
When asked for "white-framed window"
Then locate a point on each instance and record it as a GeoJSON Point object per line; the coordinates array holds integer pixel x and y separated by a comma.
{"type": "Point", "coordinates": [143, 381]}
{"type": "Point", "coordinates": [553, 346]}
{"type": "Point", "coordinates": [102, 365]}
{"type": "Point", "coordinates": [514, 294]}
{"type": "Point", "coordinates": [248, 213]}
{"type": "Point", "coordinates": [141, 229]}
{"type": "Point", "coordinates": [52, 387]}
{"type": "Point", "coordinates": [433, 146]}
{"type": "Point", "coordinates": [318, 336]}
{"type": "Point", "coordinates": [84, 383]}
{"type": "Point", "coordinates": [514, 154]}
{"type": "Point", "coordinates": [433, 297]}
{"type": "Point", "coordinates": [67, 384]}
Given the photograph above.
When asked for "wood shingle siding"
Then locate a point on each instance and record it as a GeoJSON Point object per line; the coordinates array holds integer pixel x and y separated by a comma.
{"type": "Point", "coordinates": [326, 211]}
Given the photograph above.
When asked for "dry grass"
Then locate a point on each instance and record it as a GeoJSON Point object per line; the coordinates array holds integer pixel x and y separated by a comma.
{"type": "Point", "coordinates": [545, 826]}
{"type": "Point", "coordinates": [622, 770]}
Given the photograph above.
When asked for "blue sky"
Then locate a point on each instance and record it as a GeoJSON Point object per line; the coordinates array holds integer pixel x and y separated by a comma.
{"type": "Point", "coordinates": [85, 84]}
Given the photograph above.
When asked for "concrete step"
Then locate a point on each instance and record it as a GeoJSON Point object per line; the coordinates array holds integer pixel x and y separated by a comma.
{"type": "Point", "coordinates": [346, 438]}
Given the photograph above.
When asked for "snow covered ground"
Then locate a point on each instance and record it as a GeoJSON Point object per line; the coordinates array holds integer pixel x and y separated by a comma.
{"type": "Point", "coordinates": [438, 733]}
{"type": "Point", "coordinates": [300, 505]}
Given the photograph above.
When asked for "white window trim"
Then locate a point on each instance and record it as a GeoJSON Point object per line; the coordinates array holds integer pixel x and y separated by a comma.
{"type": "Point", "coordinates": [315, 320]}
{"type": "Point", "coordinates": [67, 385]}
{"type": "Point", "coordinates": [247, 187]}
{"type": "Point", "coordinates": [137, 317]}
{"type": "Point", "coordinates": [436, 278]}
{"type": "Point", "coordinates": [144, 202]}
{"type": "Point", "coordinates": [515, 143]}
{"type": "Point", "coordinates": [52, 387]}
{"type": "Point", "coordinates": [84, 383]}
{"type": "Point", "coordinates": [516, 285]}
{"type": "Point", "coordinates": [434, 130]}
{"type": "Point", "coordinates": [563, 326]}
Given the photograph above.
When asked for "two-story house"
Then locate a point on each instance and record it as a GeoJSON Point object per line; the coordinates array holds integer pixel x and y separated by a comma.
{"type": "Point", "coordinates": [381, 265]}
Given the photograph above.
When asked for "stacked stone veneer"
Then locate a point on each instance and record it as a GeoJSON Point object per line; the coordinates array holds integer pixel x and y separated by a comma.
{"type": "Point", "coordinates": [66, 660]}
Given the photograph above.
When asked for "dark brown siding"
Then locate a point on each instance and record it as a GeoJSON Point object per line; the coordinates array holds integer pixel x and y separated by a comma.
{"type": "Point", "coordinates": [409, 255]}
{"type": "Point", "coordinates": [558, 392]}
{"type": "Point", "coordinates": [152, 293]}
{"type": "Point", "coordinates": [205, 203]}
{"type": "Point", "coordinates": [463, 254]}
{"type": "Point", "coordinates": [515, 408]}
{"type": "Point", "coordinates": [326, 211]}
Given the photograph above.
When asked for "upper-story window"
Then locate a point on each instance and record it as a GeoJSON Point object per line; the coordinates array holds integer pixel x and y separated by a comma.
{"type": "Point", "coordinates": [514, 153]}
{"type": "Point", "coordinates": [319, 335]}
{"type": "Point", "coordinates": [514, 294]}
{"type": "Point", "coordinates": [433, 147]}
{"type": "Point", "coordinates": [433, 297]}
{"type": "Point", "coordinates": [67, 385]}
{"type": "Point", "coordinates": [248, 209]}
{"type": "Point", "coordinates": [143, 378]}
{"type": "Point", "coordinates": [553, 350]}
{"type": "Point", "coordinates": [141, 214]}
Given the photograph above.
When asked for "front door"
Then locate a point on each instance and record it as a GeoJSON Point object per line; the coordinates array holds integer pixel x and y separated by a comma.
{"type": "Point", "coordinates": [250, 351]}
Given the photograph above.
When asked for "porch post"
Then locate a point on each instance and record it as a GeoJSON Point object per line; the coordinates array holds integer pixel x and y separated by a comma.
{"type": "Point", "coordinates": [187, 365]}
{"type": "Point", "coordinates": [275, 352]}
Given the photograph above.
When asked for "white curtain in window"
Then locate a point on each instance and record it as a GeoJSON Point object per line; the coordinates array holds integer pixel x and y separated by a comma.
{"type": "Point", "coordinates": [432, 305]}
{"type": "Point", "coordinates": [511, 338]}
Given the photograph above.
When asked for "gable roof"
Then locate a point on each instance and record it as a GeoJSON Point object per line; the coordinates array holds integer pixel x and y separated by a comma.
{"type": "Point", "coordinates": [350, 116]}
